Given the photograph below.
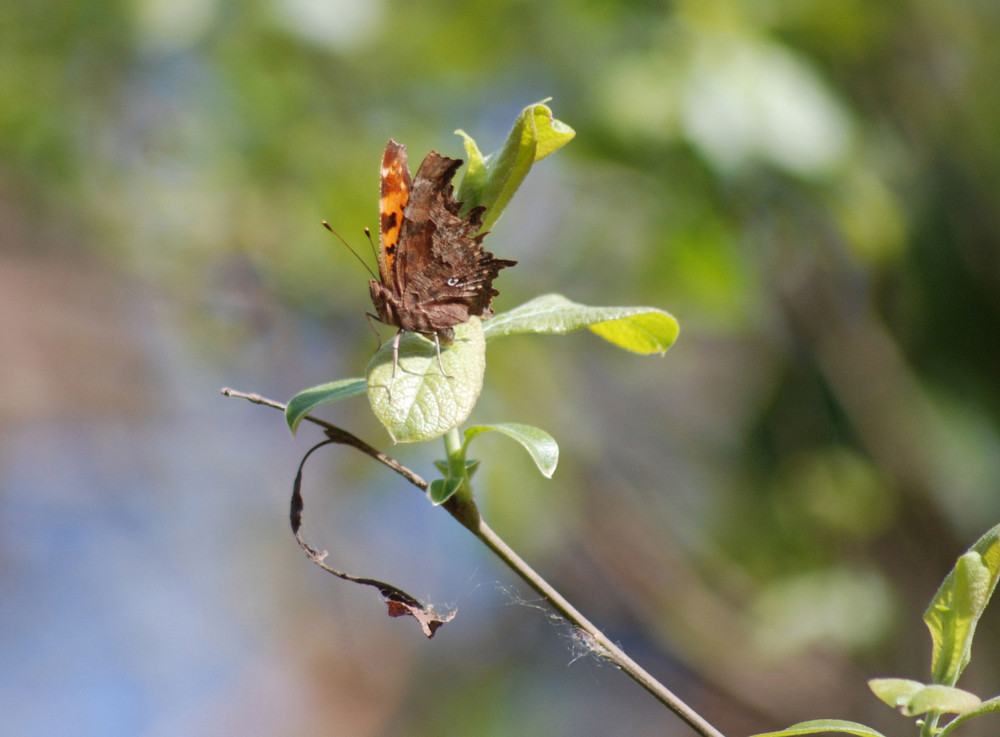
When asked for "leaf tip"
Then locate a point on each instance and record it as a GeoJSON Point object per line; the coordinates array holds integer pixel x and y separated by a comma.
{"type": "Point", "coordinates": [293, 420]}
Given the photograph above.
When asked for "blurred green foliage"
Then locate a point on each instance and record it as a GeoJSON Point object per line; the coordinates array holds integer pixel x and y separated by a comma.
{"type": "Point", "coordinates": [810, 187]}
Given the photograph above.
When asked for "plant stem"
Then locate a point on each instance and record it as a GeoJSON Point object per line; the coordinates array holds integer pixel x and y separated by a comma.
{"type": "Point", "coordinates": [929, 726]}
{"type": "Point", "coordinates": [464, 510]}
{"type": "Point", "coordinates": [453, 451]}
{"type": "Point", "coordinates": [601, 644]}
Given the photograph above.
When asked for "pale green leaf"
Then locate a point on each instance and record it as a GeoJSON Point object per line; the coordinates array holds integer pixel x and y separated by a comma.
{"type": "Point", "coordinates": [945, 699]}
{"type": "Point", "coordinates": [424, 403]}
{"type": "Point", "coordinates": [987, 707]}
{"type": "Point", "coordinates": [825, 726]}
{"type": "Point", "coordinates": [896, 692]}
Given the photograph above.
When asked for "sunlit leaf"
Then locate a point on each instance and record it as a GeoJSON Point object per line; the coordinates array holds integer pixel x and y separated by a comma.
{"type": "Point", "coordinates": [946, 699]}
{"type": "Point", "coordinates": [987, 707]}
{"type": "Point", "coordinates": [896, 692]}
{"type": "Point", "coordinates": [424, 403]}
{"type": "Point", "coordinates": [958, 604]}
{"type": "Point", "coordinates": [642, 330]}
{"type": "Point", "coordinates": [824, 726]}
{"type": "Point", "coordinates": [913, 697]}
{"type": "Point", "coordinates": [492, 180]}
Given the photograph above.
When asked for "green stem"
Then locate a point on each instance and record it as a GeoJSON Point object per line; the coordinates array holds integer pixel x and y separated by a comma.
{"type": "Point", "coordinates": [929, 727]}
{"type": "Point", "coordinates": [453, 447]}
{"type": "Point", "coordinates": [455, 452]}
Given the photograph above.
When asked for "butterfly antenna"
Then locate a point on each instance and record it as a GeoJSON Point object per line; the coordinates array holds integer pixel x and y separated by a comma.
{"type": "Point", "coordinates": [371, 243]}
{"type": "Point", "coordinates": [341, 239]}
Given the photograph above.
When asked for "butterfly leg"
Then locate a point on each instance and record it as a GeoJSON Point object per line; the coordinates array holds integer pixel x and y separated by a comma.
{"type": "Point", "coordinates": [437, 344]}
{"type": "Point", "coordinates": [395, 361]}
{"type": "Point", "coordinates": [378, 335]}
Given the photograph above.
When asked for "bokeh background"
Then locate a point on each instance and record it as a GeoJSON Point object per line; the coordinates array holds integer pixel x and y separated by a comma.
{"type": "Point", "coordinates": [760, 517]}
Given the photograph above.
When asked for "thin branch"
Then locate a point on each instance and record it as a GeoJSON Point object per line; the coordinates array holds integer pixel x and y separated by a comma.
{"type": "Point", "coordinates": [469, 517]}
{"type": "Point", "coordinates": [602, 645]}
{"type": "Point", "coordinates": [339, 435]}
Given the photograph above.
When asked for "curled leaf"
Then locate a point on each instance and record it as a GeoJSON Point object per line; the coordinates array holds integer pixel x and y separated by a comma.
{"type": "Point", "coordinates": [541, 446]}
{"type": "Point", "coordinates": [398, 601]}
{"type": "Point", "coordinates": [492, 180]}
{"type": "Point", "coordinates": [958, 604]}
{"type": "Point", "coordinates": [441, 490]}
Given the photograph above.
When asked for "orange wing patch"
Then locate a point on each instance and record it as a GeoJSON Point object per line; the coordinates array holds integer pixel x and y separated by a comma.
{"type": "Point", "coordinates": [395, 182]}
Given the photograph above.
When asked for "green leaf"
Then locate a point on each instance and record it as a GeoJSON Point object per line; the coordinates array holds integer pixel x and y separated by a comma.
{"type": "Point", "coordinates": [642, 330]}
{"type": "Point", "coordinates": [470, 468]}
{"type": "Point", "coordinates": [423, 403]}
{"type": "Point", "coordinates": [441, 490]}
{"type": "Point", "coordinates": [958, 604]}
{"type": "Point", "coordinates": [305, 401]}
{"type": "Point", "coordinates": [492, 180]}
{"type": "Point", "coordinates": [896, 692]}
{"type": "Point", "coordinates": [541, 446]}
{"type": "Point", "coordinates": [986, 707]}
{"type": "Point", "coordinates": [824, 726]}
{"type": "Point", "coordinates": [945, 699]}
{"type": "Point", "coordinates": [913, 697]}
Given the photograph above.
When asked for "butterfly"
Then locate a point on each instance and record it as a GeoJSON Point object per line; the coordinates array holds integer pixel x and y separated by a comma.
{"type": "Point", "coordinates": [433, 270]}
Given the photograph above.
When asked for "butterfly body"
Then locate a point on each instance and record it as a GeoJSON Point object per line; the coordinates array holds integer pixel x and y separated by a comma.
{"type": "Point", "coordinates": [433, 270]}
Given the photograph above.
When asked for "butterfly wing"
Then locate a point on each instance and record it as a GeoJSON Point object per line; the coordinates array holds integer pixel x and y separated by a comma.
{"type": "Point", "coordinates": [443, 274]}
{"type": "Point", "coordinates": [394, 193]}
